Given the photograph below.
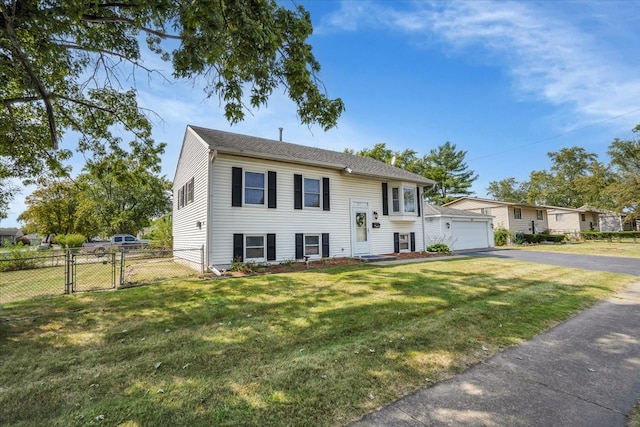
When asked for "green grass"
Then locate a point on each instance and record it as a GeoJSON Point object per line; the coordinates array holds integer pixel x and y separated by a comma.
{"type": "Point", "coordinates": [315, 348]}
{"type": "Point", "coordinates": [634, 416]}
{"type": "Point", "coordinates": [622, 249]}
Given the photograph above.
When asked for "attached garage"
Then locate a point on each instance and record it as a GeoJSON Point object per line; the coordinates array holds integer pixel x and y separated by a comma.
{"type": "Point", "coordinates": [459, 229]}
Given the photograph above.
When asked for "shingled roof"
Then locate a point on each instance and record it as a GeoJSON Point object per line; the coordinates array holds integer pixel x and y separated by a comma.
{"type": "Point", "coordinates": [260, 148]}
{"type": "Point", "coordinates": [443, 210]}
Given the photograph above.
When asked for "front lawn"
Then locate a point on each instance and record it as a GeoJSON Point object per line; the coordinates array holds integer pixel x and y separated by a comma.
{"type": "Point", "coordinates": [314, 348]}
{"type": "Point", "coordinates": [589, 247]}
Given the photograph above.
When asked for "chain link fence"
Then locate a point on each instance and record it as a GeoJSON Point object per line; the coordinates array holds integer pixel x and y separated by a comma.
{"type": "Point", "coordinates": [28, 274]}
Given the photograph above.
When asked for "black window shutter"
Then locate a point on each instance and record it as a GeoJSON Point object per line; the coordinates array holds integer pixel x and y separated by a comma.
{"type": "Point", "coordinates": [238, 247]}
{"type": "Point", "coordinates": [385, 199]}
{"type": "Point", "coordinates": [325, 195]}
{"type": "Point", "coordinates": [272, 189]}
{"type": "Point", "coordinates": [271, 247]}
{"type": "Point", "coordinates": [325, 245]}
{"type": "Point", "coordinates": [418, 199]}
{"type": "Point", "coordinates": [396, 242]}
{"type": "Point", "coordinates": [236, 186]}
{"type": "Point", "coordinates": [413, 241]}
{"type": "Point", "coordinates": [299, 245]}
{"type": "Point", "coordinates": [297, 191]}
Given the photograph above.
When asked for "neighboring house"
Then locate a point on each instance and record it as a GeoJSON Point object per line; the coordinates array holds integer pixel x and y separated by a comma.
{"type": "Point", "coordinates": [9, 236]}
{"type": "Point", "coordinates": [515, 217]}
{"type": "Point", "coordinates": [257, 200]}
{"type": "Point", "coordinates": [572, 221]}
{"type": "Point", "coordinates": [457, 228]}
{"type": "Point", "coordinates": [610, 221]}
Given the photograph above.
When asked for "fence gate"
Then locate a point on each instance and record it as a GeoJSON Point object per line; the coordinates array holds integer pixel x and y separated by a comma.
{"type": "Point", "coordinates": [90, 272]}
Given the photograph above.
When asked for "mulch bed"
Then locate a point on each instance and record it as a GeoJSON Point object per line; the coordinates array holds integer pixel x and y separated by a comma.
{"type": "Point", "coordinates": [324, 263]}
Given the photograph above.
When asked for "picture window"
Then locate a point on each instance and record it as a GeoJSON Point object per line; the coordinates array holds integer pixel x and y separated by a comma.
{"type": "Point", "coordinates": [409, 195]}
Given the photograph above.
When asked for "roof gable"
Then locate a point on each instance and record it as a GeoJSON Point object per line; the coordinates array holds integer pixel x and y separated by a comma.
{"type": "Point", "coordinates": [260, 148]}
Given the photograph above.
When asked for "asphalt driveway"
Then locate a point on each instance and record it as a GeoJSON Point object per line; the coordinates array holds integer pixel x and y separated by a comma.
{"type": "Point", "coordinates": [586, 262]}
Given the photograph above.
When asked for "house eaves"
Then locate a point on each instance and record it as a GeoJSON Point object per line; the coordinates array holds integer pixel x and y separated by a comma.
{"type": "Point", "coordinates": [432, 211]}
{"type": "Point", "coordinates": [260, 148]}
{"type": "Point", "coordinates": [495, 202]}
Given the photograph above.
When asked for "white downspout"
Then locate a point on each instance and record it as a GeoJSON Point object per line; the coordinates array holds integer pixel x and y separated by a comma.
{"type": "Point", "coordinates": [213, 155]}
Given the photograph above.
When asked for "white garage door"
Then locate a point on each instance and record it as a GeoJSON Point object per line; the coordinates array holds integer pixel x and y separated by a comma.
{"type": "Point", "coordinates": [469, 235]}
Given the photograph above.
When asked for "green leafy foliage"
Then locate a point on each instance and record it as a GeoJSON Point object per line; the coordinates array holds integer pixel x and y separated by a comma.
{"type": "Point", "coordinates": [70, 66]}
{"type": "Point", "coordinates": [501, 236]}
{"type": "Point", "coordinates": [161, 234]}
{"type": "Point", "coordinates": [539, 238]}
{"type": "Point", "coordinates": [610, 235]}
{"type": "Point", "coordinates": [442, 248]}
{"type": "Point", "coordinates": [69, 240]}
{"type": "Point", "coordinates": [508, 190]}
{"type": "Point", "coordinates": [19, 258]}
{"type": "Point", "coordinates": [446, 166]}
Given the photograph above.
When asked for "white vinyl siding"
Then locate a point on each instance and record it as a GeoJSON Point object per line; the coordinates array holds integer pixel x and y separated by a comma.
{"type": "Point", "coordinates": [191, 183]}
{"type": "Point", "coordinates": [286, 222]}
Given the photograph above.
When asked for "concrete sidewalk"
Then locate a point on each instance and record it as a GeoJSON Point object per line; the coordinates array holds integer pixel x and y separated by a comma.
{"type": "Point", "coordinates": [584, 372]}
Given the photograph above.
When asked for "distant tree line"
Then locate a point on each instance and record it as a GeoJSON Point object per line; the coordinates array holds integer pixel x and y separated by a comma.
{"type": "Point", "coordinates": [577, 178]}
{"type": "Point", "coordinates": [119, 192]}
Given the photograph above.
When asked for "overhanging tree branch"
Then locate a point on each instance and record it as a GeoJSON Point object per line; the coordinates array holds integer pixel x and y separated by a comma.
{"type": "Point", "coordinates": [26, 64]}
{"type": "Point", "coordinates": [121, 20]}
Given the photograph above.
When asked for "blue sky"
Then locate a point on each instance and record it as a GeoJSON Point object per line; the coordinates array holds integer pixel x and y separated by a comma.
{"type": "Point", "coordinates": [505, 81]}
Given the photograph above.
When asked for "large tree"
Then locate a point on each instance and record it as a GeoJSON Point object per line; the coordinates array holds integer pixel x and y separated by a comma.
{"type": "Point", "coordinates": [446, 166]}
{"type": "Point", "coordinates": [51, 208]}
{"type": "Point", "coordinates": [624, 191]}
{"type": "Point", "coordinates": [67, 66]}
{"type": "Point", "coordinates": [120, 193]}
{"type": "Point", "coordinates": [575, 178]}
{"type": "Point", "coordinates": [508, 190]}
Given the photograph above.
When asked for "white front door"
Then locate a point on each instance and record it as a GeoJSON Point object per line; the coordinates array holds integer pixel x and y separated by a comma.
{"type": "Point", "coordinates": [360, 231]}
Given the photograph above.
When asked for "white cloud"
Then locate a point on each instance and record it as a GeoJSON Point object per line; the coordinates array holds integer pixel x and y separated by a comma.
{"type": "Point", "coordinates": [563, 54]}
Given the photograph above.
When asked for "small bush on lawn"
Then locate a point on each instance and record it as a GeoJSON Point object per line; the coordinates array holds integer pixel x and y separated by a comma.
{"type": "Point", "coordinates": [18, 259]}
{"type": "Point", "coordinates": [501, 236]}
{"type": "Point", "coordinates": [441, 248]}
{"type": "Point", "coordinates": [69, 240]}
{"type": "Point", "coordinates": [537, 238]}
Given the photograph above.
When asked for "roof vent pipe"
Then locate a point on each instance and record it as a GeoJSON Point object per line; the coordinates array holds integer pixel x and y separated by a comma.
{"type": "Point", "coordinates": [280, 129]}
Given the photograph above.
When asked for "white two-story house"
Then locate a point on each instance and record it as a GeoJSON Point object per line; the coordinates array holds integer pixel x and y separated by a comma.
{"type": "Point", "coordinates": [251, 199]}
